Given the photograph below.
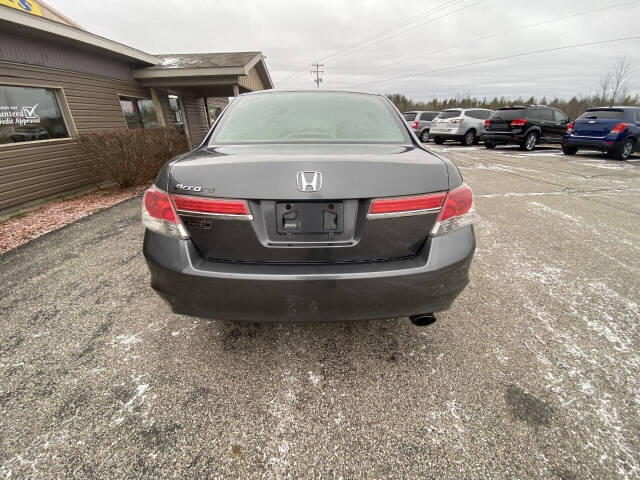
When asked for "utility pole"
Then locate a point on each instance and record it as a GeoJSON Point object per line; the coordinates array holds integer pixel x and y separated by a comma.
{"type": "Point", "coordinates": [318, 72]}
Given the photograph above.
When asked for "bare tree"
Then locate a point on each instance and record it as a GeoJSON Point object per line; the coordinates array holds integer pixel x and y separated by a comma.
{"type": "Point", "coordinates": [617, 79]}
{"type": "Point", "coordinates": [605, 86]}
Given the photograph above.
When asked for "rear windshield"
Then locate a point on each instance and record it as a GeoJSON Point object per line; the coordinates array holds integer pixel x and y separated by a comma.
{"type": "Point", "coordinates": [508, 113]}
{"type": "Point", "coordinates": [428, 115]}
{"type": "Point", "coordinates": [450, 114]}
{"type": "Point", "coordinates": [410, 116]}
{"type": "Point", "coordinates": [303, 117]}
{"type": "Point", "coordinates": [604, 113]}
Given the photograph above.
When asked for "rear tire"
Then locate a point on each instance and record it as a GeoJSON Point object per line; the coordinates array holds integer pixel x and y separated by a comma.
{"type": "Point", "coordinates": [438, 140]}
{"type": "Point", "coordinates": [469, 138]}
{"type": "Point", "coordinates": [489, 145]}
{"type": "Point", "coordinates": [569, 150]}
{"type": "Point", "coordinates": [624, 151]}
{"type": "Point", "coordinates": [424, 136]}
{"type": "Point", "coordinates": [529, 143]}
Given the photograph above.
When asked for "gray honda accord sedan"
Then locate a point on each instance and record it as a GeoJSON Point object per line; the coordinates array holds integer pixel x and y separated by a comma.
{"type": "Point", "coordinates": [309, 207]}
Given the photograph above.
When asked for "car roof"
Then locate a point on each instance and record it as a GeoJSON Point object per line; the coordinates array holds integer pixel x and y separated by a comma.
{"type": "Point", "coordinates": [464, 109]}
{"type": "Point", "coordinates": [622, 107]}
{"type": "Point", "coordinates": [317, 91]}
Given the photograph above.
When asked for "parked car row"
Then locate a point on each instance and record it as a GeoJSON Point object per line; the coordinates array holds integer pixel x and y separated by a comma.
{"type": "Point", "coordinates": [612, 130]}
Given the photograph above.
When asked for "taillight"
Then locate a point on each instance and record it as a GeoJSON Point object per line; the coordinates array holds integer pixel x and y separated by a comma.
{"type": "Point", "coordinates": [519, 122]}
{"type": "Point", "coordinates": [457, 212]}
{"type": "Point", "coordinates": [402, 206]}
{"type": "Point", "coordinates": [457, 120]}
{"type": "Point", "coordinates": [159, 215]}
{"type": "Point", "coordinates": [211, 206]}
{"type": "Point", "coordinates": [570, 127]}
{"type": "Point", "coordinates": [415, 125]}
{"type": "Point", "coordinates": [619, 128]}
{"type": "Point", "coordinates": [487, 123]}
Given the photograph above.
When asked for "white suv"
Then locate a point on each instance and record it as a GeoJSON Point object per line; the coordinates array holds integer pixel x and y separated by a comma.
{"type": "Point", "coordinates": [462, 124]}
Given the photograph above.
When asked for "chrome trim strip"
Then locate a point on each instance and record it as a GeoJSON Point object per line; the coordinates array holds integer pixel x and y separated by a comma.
{"type": "Point", "coordinates": [216, 216]}
{"type": "Point", "coordinates": [375, 216]}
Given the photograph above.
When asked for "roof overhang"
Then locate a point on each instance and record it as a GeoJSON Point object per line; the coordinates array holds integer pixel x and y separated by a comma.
{"type": "Point", "coordinates": [23, 23]}
{"type": "Point", "coordinates": [203, 77]}
{"type": "Point", "coordinates": [143, 73]}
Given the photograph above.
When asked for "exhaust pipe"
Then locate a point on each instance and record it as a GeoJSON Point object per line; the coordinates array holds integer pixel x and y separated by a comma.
{"type": "Point", "coordinates": [423, 319]}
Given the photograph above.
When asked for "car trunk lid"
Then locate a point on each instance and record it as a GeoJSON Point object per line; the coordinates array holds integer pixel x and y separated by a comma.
{"type": "Point", "coordinates": [597, 123]}
{"type": "Point", "coordinates": [327, 225]}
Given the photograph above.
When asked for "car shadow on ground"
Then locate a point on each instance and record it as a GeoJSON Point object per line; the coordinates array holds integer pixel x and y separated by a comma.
{"type": "Point", "coordinates": [337, 343]}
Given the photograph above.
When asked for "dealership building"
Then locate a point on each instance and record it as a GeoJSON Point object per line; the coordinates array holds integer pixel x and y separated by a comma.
{"type": "Point", "coordinates": [58, 81]}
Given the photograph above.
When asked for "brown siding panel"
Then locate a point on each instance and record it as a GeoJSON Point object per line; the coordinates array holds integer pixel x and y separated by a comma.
{"type": "Point", "coordinates": [196, 118]}
{"type": "Point", "coordinates": [38, 169]}
{"type": "Point", "coordinates": [22, 49]}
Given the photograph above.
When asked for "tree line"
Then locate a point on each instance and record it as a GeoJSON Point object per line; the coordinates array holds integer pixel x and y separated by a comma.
{"type": "Point", "coordinates": [573, 107]}
{"type": "Point", "coordinates": [612, 91]}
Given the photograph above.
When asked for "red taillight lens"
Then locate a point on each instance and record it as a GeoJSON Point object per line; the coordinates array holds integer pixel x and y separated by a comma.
{"type": "Point", "coordinates": [619, 128]}
{"type": "Point", "coordinates": [457, 120]}
{"type": "Point", "coordinates": [457, 211]}
{"type": "Point", "coordinates": [158, 205]}
{"type": "Point", "coordinates": [415, 125]}
{"type": "Point", "coordinates": [159, 215]}
{"type": "Point", "coordinates": [519, 122]}
{"type": "Point", "coordinates": [487, 122]}
{"type": "Point", "coordinates": [570, 128]}
{"type": "Point", "coordinates": [458, 202]}
{"type": "Point", "coordinates": [210, 205]}
{"type": "Point", "coordinates": [406, 204]}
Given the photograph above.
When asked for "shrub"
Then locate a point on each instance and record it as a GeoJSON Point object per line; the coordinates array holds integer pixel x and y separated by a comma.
{"type": "Point", "coordinates": [131, 157]}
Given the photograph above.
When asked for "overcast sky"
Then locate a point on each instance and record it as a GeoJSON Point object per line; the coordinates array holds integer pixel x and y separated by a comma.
{"type": "Point", "coordinates": [292, 34]}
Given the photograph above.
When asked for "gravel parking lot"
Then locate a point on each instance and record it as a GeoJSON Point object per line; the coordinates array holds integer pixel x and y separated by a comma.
{"type": "Point", "coordinates": [534, 373]}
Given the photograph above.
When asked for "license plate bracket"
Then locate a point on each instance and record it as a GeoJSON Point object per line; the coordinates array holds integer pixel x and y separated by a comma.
{"type": "Point", "coordinates": [309, 217]}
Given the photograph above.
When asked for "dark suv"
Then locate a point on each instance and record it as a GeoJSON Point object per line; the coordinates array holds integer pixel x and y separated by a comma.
{"type": "Point", "coordinates": [525, 126]}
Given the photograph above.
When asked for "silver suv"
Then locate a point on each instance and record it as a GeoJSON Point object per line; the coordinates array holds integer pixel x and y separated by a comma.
{"type": "Point", "coordinates": [462, 124]}
{"type": "Point", "coordinates": [420, 121]}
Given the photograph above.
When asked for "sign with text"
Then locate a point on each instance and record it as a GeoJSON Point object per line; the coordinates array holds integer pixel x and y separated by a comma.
{"type": "Point", "coordinates": [19, 115]}
{"type": "Point", "coordinates": [28, 6]}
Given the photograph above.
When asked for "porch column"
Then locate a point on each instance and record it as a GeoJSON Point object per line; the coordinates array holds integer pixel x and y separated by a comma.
{"type": "Point", "coordinates": [206, 109]}
{"type": "Point", "coordinates": [236, 90]}
{"type": "Point", "coordinates": [159, 106]}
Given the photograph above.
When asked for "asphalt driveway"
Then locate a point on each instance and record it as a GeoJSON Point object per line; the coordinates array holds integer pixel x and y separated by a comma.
{"type": "Point", "coordinates": [535, 372]}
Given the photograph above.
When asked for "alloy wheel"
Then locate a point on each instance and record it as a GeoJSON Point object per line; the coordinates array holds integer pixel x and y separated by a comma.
{"type": "Point", "coordinates": [469, 138]}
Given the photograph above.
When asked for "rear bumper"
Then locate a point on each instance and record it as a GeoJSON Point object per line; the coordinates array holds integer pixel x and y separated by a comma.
{"type": "Point", "coordinates": [452, 134]}
{"type": "Point", "coordinates": [587, 144]}
{"type": "Point", "coordinates": [426, 283]}
{"type": "Point", "coordinates": [502, 138]}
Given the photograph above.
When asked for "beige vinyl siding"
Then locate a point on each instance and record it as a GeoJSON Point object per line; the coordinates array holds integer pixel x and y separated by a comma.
{"type": "Point", "coordinates": [251, 81]}
{"type": "Point", "coordinates": [33, 170]}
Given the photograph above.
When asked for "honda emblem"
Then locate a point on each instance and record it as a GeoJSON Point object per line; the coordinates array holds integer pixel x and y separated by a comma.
{"type": "Point", "coordinates": [309, 181]}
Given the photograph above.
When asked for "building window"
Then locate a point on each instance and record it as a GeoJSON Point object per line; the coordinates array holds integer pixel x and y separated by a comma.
{"type": "Point", "coordinates": [30, 113]}
{"type": "Point", "coordinates": [139, 112]}
{"type": "Point", "coordinates": [176, 112]}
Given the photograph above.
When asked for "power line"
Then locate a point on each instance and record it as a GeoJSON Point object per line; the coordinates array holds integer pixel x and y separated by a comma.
{"type": "Point", "coordinates": [495, 59]}
{"type": "Point", "coordinates": [442, 6]}
{"type": "Point", "coordinates": [532, 25]}
{"type": "Point", "coordinates": [318, 72]}
{"type": "Point", "coordinates": [375, 37]}
{"type": "Point", "coordinates": [407, 30]}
